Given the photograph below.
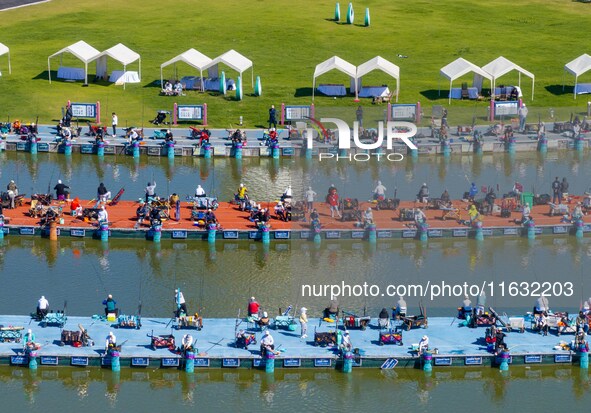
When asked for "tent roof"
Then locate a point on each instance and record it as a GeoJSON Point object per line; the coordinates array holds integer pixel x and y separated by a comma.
{"type": "Point", "coordinates": [191, 57]}
{"type": "Point", "coordinates": [232, 59]}
{"type": "Point", "coordinates": [121, 53]}
{"type": "Point", "coordinates": [460, 67]}
{"type": "Point", "coordinates": [335, 62]}
{"type": "Point", "coordinates": [579, 66]}
{"type": "Point", "coordinates": [81, 50]}
{"type": "Point", "coordinates": [378, 63]}
{"type": "Point", "coordinates": [3, 49]}
{"type": "Point", "coordinates": [501, 66]}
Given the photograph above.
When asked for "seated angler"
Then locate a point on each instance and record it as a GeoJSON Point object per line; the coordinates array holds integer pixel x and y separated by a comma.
{"type": "Point", "coordinates": [42, 307]}
{"type": "Point", "coordinates": [200, 192]}
{"type": "Point", "coordinates": [332, 311]}
{"type": "Point", "coordinates": [110, 306]}
{"type": "Point", "coordinates": [384, 318]}
{"type": "Point", "coordinates": [102, 193]}
{"type": "Point", "coordinates": [367, 217]}
{"type": "Point", "coordinates": [280, 211]}
{"type": "Point", "coordinates": [141, 212]}
{"type": "Point", "coordinates": [264, 321]}
{"type": "Point", "coordinates": [423, 195]}
{"type": "Point", "coordinates": [210, 217]}
{"type": "Point", "coordinates": [400, 310]}
{"type": "Point", "coordinates": [267, 343]}
{"type": "Point", "coordinates": [346, 345]}
{"type": "Point", "coordinates": [541, 306]}
{"type": "Point", "coordinates": [445, 198]}
{"type": "Point", "coordinates": [155, 218]}
{"type": "Point", "coordinates": [465, 308]}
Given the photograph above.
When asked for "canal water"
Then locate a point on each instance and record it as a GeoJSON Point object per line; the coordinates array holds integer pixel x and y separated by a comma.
{"type": "Point", "coordinates": [218, 280]}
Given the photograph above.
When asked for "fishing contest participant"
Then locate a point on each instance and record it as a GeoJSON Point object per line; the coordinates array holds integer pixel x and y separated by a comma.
{"type": "Point", "coordinates": [42, 307]}
{"type": "Point", "coordinates": [267, 343]}
{"type": "Point", "coordinates": [110, 306]}
{"type": "Point", "coordinates": [110, 342]}
{"type": "Point", "coordinates": [181, 305]}
{"type": "Point", "coordinates": [60, 190]}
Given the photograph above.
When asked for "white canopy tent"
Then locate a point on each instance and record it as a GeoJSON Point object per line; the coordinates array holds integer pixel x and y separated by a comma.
{"type": "Point", "coordinates": [122, 54]}
{"type": "Point", "coordinates": [383, 65]}
{"type": "Point", "coordinates": [576, 68]}
{"type": "Point", "coordinates": [459, 68]}
{"type": "Point", "coordinates": [501, 66]}
{"type": "Point", "coordinates": [5, 50]}
{"type": "Point", "coordinates": [191, 57]}
{"type": "Point", "coordinates": [81, 50]}
{"type": "Point", "coordinates": [333, 63]}
{"type": "Point", "coordinates": [234, 60]}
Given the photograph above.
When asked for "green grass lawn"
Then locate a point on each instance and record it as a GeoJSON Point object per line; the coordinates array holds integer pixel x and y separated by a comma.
{"type": "Point", "coordinates": [285, 40]}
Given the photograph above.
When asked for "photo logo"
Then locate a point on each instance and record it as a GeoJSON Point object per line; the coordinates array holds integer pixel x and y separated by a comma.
{"type": "Point", "coordinates": [403, 131]}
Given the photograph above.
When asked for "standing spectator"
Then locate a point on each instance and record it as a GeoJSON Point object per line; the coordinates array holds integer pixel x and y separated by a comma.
{"type": "Point", "coordinates": [563, 190]}
{"type": "Point", "coordinates": [522, 117]}
{"type": "Point", "coordinates": [114, 121]}
{"type": "Point", "coordinates": [272, 117]}
{"type": "Point", "coordinates": [444, 118]}
{"type": "Point", "coordinates": [150, 191]}
{"type": "Point", "coordinates": [332, 199]}
{"type": "Point", "coordinates": [310, 194]}
{"type": "Point", "coordinates": [304, 322]}
{"type": "Point", "coordinates": [556, 195]}
{"type": "Point", "coordinates": [359, 116]}
{"type": "Point", "coordinates": [12, 192]}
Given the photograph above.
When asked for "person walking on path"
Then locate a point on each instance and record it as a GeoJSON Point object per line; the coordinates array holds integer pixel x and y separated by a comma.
{"type": "Point", "coordinates": [556, 196]}
{"type": "Point", "coordinates": [272, 117]}
{"type": "Point", "coordinates": [522, 112]}
{"type": "Point", "coordinates": [114, 121]}
{"type": "Point", "coordinates": [359, 116]}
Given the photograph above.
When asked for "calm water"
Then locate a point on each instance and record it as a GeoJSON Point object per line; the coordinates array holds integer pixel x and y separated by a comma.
{"type": "Point", "coordinates": [218, 281]}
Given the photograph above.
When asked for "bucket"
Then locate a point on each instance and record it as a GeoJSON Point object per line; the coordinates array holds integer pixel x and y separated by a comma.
{"type": "Point", "coordinates": [61, 221]}
{"type": "Point", "coordinates": [111, 317]}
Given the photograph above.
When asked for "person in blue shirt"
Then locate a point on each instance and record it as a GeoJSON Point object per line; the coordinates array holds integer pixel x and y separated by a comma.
{"type": "Point", "coordinates": [110, 305]}
{"type": "Point", "coordinates": [472, 192]}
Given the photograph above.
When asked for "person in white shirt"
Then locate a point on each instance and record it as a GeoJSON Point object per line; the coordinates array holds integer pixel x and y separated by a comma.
{"type": "Point", "coordinates": [267, 343]}
{"type": "Point", "coordinates": [423, 345]}
{"type": "Point", "coordinates": [179, 300]}
{"type": "Point", "coordinates": [287, 195]}
{"type": "Point", "coordinates": [187, 342]}
{"type": "Point", "coordinates": [103, 215]}
{"type": "Point", "coordinates": [379, 191]}
{"type": "Point", "coordinates": [42, 307]}
{"type": "Point", "coordinates": [310, 194]}
{"type": "Point", "coordinates": [114, 121]}
{"type": "Point", "coordinates": [110, 342]}
{"type": "Point", "coordinates": [346, 344]}
{"type": "Point", "coordinates": [199, 191]}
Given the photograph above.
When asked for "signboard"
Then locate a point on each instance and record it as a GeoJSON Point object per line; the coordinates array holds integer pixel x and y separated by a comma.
{"type": "Point", "coordinates": [109, 149]}
{"type": "Point", "coordinates": [442, 361]}
{"type": "Point", "coordinates": [473, 361]}
{"type": "Point", "coordinates": [79, 361]}
{"type": "Point", "coordinates": [154, 150]}
{"type": "Point", "coordinates": [6, 230]}
{"type": "Point", "coordinates": [563, 358]}
{"type": "Point", "coordinates": [460, 233]}
{"type": "Point", "coordinates": [21, 146]}
{"type": "Point", "coordinates": [487, 232]}
{"type": "Point", "coordinates": [435, 233]}
{"type": "Point", "coordinates": [230, 234]}
{"type": "Point", "coordinates": [506, 108]}
{"type": "Point", "coordinates": [42, 147]}
{"type": "Point", "coordinates": [403, 112]}
{"type": "Point", "coordinates": [297, 112]}
{"type": "Point", "coordinates": [106, 361]}
{"type": "Point", "coordinates": [333, 234]}
{"type": "Point", "coordinates": [201, 362]}
{"type": "Point", "coordinates": [384, 234]}
{"type": "Point", "coordinates": [87, 149]}
{"type": "Point", "coordinates": [84, 110]}
{"type": "Point", "coordinates": [170, 362]}
{"type": "Point", "coordinates": [140, 361]}
{"type": "Point", "coordinates": [281, 234]}
{"type": "Point", "coordinates": [254, 234]}
{"type": "Point", "coordinates": [287, 151]}
{"type": "Point", "coordinates": [510, 231]}
{"type": "Point", "coordinates": [409, 233]}
{"type": "Point", "coordinates": [179, 234]}
{"type": "Point", "coordinates": [357, 234]}
{"type": "Point", "coordinates": [257, 362]}
{"type": "Point", "coordinates": [231, 362]}
{"type": "Point", "coordinates": [26, 231]}
{"type": "Point", "coordinates": [190, 112]}
{"type": "Point", "coordinates": [77, 232]}
{"type": "Point", "coordinates": [533, 358]}
{"type": "Point", "coordinates": [389, 364]}
{"type": "Point", "coordinates": [560, 230]}
{"type": "Point", "coordinates": [19, 360]}
{"type": "Point", "coordinates": [49, 360]}
{"type": "Point", "coordinates": [304, 234]}
{"type": "Point", "coordinates": [292, 362]}
{"type": "Point", "coordinates": [322, 362]}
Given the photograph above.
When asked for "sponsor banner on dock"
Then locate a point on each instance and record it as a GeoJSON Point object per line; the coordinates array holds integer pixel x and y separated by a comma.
{"type": "Point", "coordinates": [231, 362]}
{"type": "Point", "coordinates": [79, 361]}
{"type": "Point", "coordinates": [324, 362]}
{"type": "Point", "coordinates": [292, 362]}
{"type": "Point", "coordinates": [532, 358]}
{"type": "Point", "coordinates": [473, 361]}
{"type": "Point", "coordinates": [171, 362]}
{"type": "Point", "coordinates": [140, 361]}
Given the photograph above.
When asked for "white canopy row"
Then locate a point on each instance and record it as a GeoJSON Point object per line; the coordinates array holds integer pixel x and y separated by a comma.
{"type": "Point", "coordinates": [199, 61]}
{"type": "Point", "coordinates": [492, 71]}
{"type": "Point", "coordinates": [356, 73]}
{"type": "Point", "coordinates": [87, 54]}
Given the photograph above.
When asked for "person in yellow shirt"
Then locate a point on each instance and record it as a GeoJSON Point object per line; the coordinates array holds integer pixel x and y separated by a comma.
{"type": "Point", "coordinates": [242, 196]}
{"type": "Point", "coordinates": [473, 213]}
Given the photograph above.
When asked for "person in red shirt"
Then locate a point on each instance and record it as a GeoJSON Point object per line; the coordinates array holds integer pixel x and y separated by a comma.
{"type": "Point", "coordinates": [332, 199]}
{"type": "Point", "coordinates": [253, 307]}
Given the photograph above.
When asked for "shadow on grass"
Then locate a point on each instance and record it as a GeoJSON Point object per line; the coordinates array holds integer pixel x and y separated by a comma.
{"type": "Point", "coordinates": [154, 84]}
{"type": "Point", "coordinates": [303, 92]}
{"type": "Point", "coordinates": [433, 94]}
{"type": "Point", "coordinates": [558, 90]}
{"type": "Point", "coordinates": [45, 75]}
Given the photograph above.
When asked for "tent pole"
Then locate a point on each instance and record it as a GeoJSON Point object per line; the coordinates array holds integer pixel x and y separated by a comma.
{"type": "Point", "coordinates": [161, 77]}
{"type": "Point", "coordinates": [85, 72]}
{"type": "Point", "coordinates": [9, 68]}
{"type": "Point", "coordinates": [124, 72]}
{"type": "Point", "coordinates": [532, 88]}
{"type": "Point", "coordinates": [575, 88]}
{"type": "Point", "coordinates": [252, 76]}
{"type": "Point", "coordinates": [313, 87]}
{"type": "Point", "coordinates": [449, 100]}
{"type": "Point", "coordinates": [202, 83]}
{"type": "Point", "coordinates": [140, 69]}
{"type": "Point", "coordinates": [397, 89]}
{"type": "Point", "coordinates": [49, 70]}
{"type": "Point", "coordinates": [519, 81]}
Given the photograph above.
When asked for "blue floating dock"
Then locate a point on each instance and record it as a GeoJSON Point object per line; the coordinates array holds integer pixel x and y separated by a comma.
{"type": "Point", "coordinates": [456, 346]}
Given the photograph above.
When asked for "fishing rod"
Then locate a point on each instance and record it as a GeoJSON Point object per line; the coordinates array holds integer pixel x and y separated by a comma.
{"type": "Point", "coordinates": [213, 345]}
{"type": "Point", "coordinates": [177, 299]}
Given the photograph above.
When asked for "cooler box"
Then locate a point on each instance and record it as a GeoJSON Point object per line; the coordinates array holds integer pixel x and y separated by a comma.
{"type": "Point", "coordinates": [527, 198]}
{"type": "Point", "coordinates": [111, 317]}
